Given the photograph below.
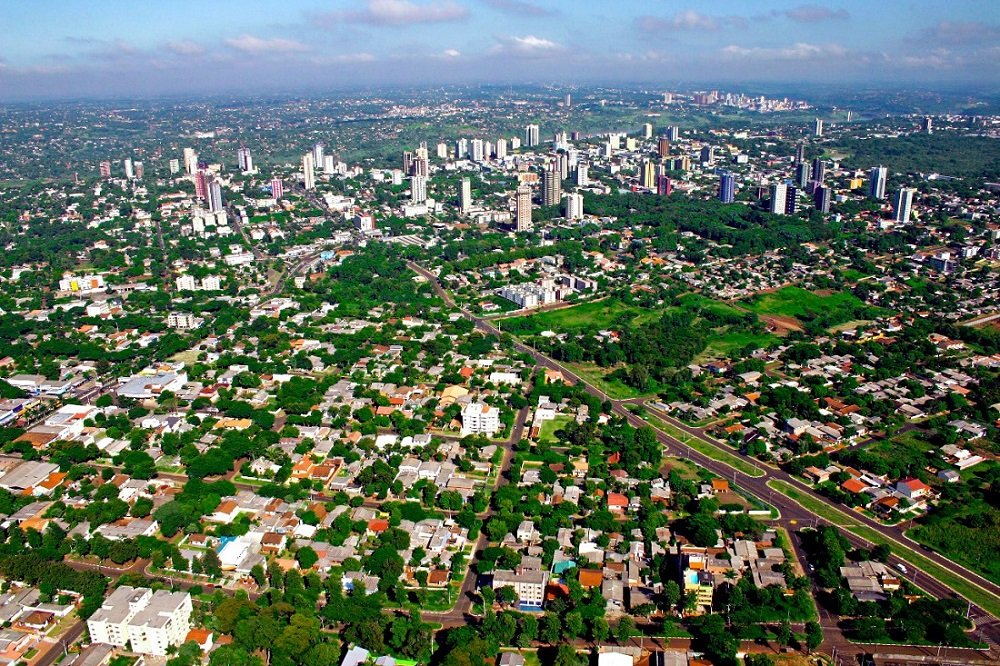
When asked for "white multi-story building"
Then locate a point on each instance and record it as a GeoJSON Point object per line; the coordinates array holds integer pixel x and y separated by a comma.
{"type": "Point", "coordinates": [184, 321]}
{"type": "Point", "coordinates": [574, 206]}
{"type": "Point", "coordinates": [528, 585]}
{"type": "Point", "coordinates": [211, 283]}
{"type": "Point", "coordinates": [150, 621]}
{"type": "Point", "coordinates": [478, 418]}
{"type": "Point", "coordinates": [186, 283]}
{"type": "Point", "coordinates": [418, 189]}
{"type": "Point", "coordinates": [84, 284]}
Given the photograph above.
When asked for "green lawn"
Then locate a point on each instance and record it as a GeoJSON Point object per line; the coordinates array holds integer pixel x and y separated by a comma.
{"type": "Point", "coordinates": [591, 316]}
{"type": "Point", "coordinates": [843, 519]}
{"type": "Point", "coordinates": [595, 376]}
{"type": "Point", "coordinates": [725, 344]}
{"type": "Point", "coordinates": [548, 430]}
{"type": "Point", "coordinates": [716, 453]}
{"type": "Point", "coordinates": [805, 306]}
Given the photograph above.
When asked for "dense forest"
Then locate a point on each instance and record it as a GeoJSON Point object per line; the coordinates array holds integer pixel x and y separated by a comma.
{"type": "Point", "coordinates": [949, 154]}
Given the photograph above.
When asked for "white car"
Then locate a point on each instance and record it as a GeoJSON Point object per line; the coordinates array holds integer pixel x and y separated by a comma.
{"type": "Point", "coordinates": [901, 567]}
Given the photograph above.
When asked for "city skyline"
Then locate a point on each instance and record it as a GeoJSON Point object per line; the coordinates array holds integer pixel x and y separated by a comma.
{"type": "Point", "coordinates": [69, 50]}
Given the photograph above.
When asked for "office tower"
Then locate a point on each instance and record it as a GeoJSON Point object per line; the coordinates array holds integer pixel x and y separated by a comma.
{"type": "Point", "coordinates": [105, 168]}
{"type": "Point", "coordinates": [551, 185]}
{"type": "Point", "coordinates": [850, 114]}
{"type": "Point", "coordinates": [569, 100]}
{"type": "Point", "coordinates": [802, 174]}
{"type": "Point", "coordinates": [461, 149]}
{"type": "Point", "coordinates": [663, 146]}
{"type": "Point", "coordinates": [663, 185]}
{"type": "Point", "coordinates": [575, 135]}
{"type": "Point", "coordinates": [647, 131]}
{"type": "Point", "coordinates": [190, 161]}
{"type": "Point", "coordinates": [560, 141]}
{"type": "Point", "coordinates": [407, 162]}
{"type": "Point", "coordinates": [902, 204]}
{"type": "Point", "coordinates": [522, 209]}
{"type": "Point", "coordinates": [647, 174]}
{"type": "Point", "coordinates": [727, 187]}
{"type": "Point", "coordinates": [615, 140]}
{"type": "Point", "coordinates": [129, 171]}
{"type": "Point", "coordinates": [668, 98]}
{"type": "Point", "coordinates": [175, 166]}
{"type": "Point", "coordinates": [318, 153]}
{"type": "Point", "coordinates": [140, 170]}
{"type": "Point", "coordinates": [821, 198]}
{"type": "Point", "coordinates": [442, 150]}
{"type": "Point", "coordinates": [245, 159]}
{"type": "Point", "coordinates": [818, 170]}
{"type": "Point", "coordinates": [800, 153]}
{"type": "Point", "coordinates": [531, 136]}
{"type": "Point", "coordinates": [200, 186]}
{"type": "Point", "coordinates": [562, 165]}
{"type": "Point", "coordinates": [308, 172]}
{"type": "Point", "coordinates": [673, 133]}
{"type": "Point", "coordinates": [501, 149]}
{"type": "Point", "coordinates": [928, 125]}
{"type": "Point", "coordinates": [783, 199]}
{"type": "Point", "coordinates": [515, 143]}
{"type": "Point", "coordinates": [818, 127]}
{"type": "Point", "coordinates": [477, 150]}
{"type": "Point", "coordinates": [573, 206]}
{"type": "Point", "coordinates": [582, 177]}
{"type": "Point", "coordinates": [418, 189]}
{"type": "Point", "coordinates": [277, 189]}
{"type": "Point", "coordinates": [421, 166]}
{"type": "Point", "coordinates": [465, 198]}
{"type": "Point", "coordinates": [214, 196]}
{"type": "Point", "coordinates": [876, 182]}
{"type": "Point", "coordinates": [708, 155]}
{"type": "Point", "coordinates": [329, 165]}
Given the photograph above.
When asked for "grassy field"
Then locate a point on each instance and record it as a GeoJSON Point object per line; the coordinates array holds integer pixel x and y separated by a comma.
{"type": "Point", "coordinates": [592, 316]}
{"type": "Point", "coordinates": [725, 344]}
{"type": "Point", "coordinates": [733, 460]}
{"type": "Point", "coordinates": [548, 430]}
{"type": "Point", "coordinates": [843, 519]}
{"type": "Point", "coordinates": [804, 305]}
{"type": "Point", "coordinates": [595, 376]}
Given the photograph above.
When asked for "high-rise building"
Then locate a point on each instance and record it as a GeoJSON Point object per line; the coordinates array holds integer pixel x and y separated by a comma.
{"type": "Point", "coordinates": [673, 133]}
{"type": "Point", "coordinates": [407, 162]}
{"type": "Point", "coordinates": [329, 165]}
{"type": "Point", "coordinates": [573, 206]}
{"type": "Point", "coordinates": [783, 199]}
{"type": "Point", "coordinates": [663, 146]}
{"type": "Point", "coordinates": [800, 153]}
{"type": "Point", "coordinates": [140, 170]}
{"type": "Point", "coordinates": [522, 209]}
{"type": "Point", "coordinates": [478, 153]}
{"type": "Point", "coordinates": [903, 204]}
{"type": "Point", "coordinates": [421, 166]}
{"type": "Point", "coordinates": [582, 175]}
{"type": "Point", "coordinates": [190, 161]}
{"type": "Point", "coordinates": [821, 198]}
{"type": "Point", "coordinates": [708, 155]}
{"type": "Point", "coordinates": [465, 197]}
{"type": "Point", "coordinates": [647, 174]}
{"type": "Point", "coordinates": [818, 170]}
{"type": "Point", "coordinates": [928, 125]}
{"type": "Point", "coordinates": [418, 189]}
{"type": "Point", "coordinates": [245, 159]}
{"type": "Point", "coordinates": [318, 153]}
{"type": "Point", "coordinates": [461, 149]}
{"type": "Point", "coordinates": [129, 171]}
{"type": "Point", "coordinates": [876, 182]}
{"type": "Point", "coordinates": [727, 187]}
{"type": "Point", "coordinates": [668, 98]}
{"type": "Point", "coordinates": [442, 150]}
{"type": "Point", "coordinates": [818, 127]}
{"type": "Point", "coordinates": [200, 185]}
{"type": "Point", "coordinates": [551, 185]}
{"type": "Point", "coordinates": [850, 114]}
{"type": "Point", "coordinates": [105, 168]}
{"type": "Point", "coordinates": [308, 172]}
{"type": "Point", "coordinates": [647, 130]}
{"type": "Point", "coordinates": [663, 185]}
{"type": "Point", "coordinates": [562, 165]}
{"type": "Point", "coordinates": [175, 166]}
{"type": "Point", "coordinates": [214, 196]}
{"type": "Point", "coordinates": [500, 151]}
{"type": "Point", "coordinates": [569, 100]}
{"type": "Point", "coordinates": [515, 143]}
{"type": "Point", "coordinates": [277, 189]}
{"type": "Point", "coordinates": [531, 136]}
{"type": "Point", "coordinates": [802, 174]}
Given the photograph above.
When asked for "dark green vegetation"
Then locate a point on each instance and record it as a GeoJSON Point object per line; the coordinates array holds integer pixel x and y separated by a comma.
{"type": "Point", "coordinates": [946, 153]}
{"type": "Point", "coordinates": [817, 311]}
{"type": "Point", "coordinates": [925, 621]}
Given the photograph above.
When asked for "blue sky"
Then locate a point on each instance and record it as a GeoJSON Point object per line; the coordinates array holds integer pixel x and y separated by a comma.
{"type": "Point", "coordinates": [69, 48]}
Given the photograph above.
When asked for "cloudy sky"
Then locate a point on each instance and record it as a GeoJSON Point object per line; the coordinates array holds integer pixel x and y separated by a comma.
{"type": "Point", "coordinates": [68, 48]}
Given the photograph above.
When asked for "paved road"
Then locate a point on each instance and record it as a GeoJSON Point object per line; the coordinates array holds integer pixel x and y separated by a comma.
{"type": "Point", "coordinates": [58, 647]}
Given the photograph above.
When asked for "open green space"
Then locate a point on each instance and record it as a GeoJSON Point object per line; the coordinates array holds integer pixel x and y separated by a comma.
{"type": "Point", "coordinates": [731, 341]}
{"type": "Point", "coordinates": [549, 428]}
{"type": "Point", "coordinates": [970, 591]}
{"type": "Point", "coordinates": [598, 377]}
{"type": "Point", "coordinates": [714, 452]}
{"type": "Point", "coordinates": [591, 316]}
{"type": "Point", "coordinates": [807, 306]}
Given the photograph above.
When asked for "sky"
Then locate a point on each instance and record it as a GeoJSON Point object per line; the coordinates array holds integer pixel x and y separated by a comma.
{"type": "Point", "coordinates": [115, 48]}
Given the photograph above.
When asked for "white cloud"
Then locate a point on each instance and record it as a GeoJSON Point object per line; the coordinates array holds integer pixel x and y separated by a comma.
{"type": "Point", "coordinates": [815, 14]}
{"type": "Point", "coordinates": [796, 52]}
{"type": "Point", "coordinates": [185, 48]}
{"type": "Point", "coordinates": [451, 53]}
{"type": "Point", "coordinates": [528, 46]}
{"type": "Point", "coordinates": [399, 12]}
{"type": "Point", "coordinates": [252, 44]}
{"type": "Point", "coordinates": [688, 19]}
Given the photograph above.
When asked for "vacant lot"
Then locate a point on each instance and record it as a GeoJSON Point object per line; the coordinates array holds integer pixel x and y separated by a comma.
{"type": "Point", "coordinates": [592, 316]}
{"type": "Point", "coordinates": [826, 308]}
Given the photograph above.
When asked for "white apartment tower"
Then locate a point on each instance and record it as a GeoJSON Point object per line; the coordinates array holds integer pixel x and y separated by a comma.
{"type": "Point", "coordinates": [522, 211]}
{"type": "Point", "coordinates": [150, 621]}
{"type": "Point", "coordinates": [574, 206]}
{"type": "Point", "coordinates": [308, 172]}
{"type": "Point", "coordinates": [903, 204]}
{"type": "Point", "coordinates": [465, 202]}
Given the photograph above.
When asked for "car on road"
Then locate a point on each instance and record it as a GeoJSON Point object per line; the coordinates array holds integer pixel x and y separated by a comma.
{"type": "Point", "coordinates": [901, 567]}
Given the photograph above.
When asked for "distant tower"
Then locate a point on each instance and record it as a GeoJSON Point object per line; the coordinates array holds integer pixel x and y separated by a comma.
{"type": "Point", "coordinates": [783, 199]}
{"type": "Point", "coordinates": [277, 189]}
{"type": "Point", "coordinates": [129, 170]}
{"type": "Point", "coordinates": [408, 162]}
{"type": "Point", "coordinates": [818, 170]}
{"type": "Point", "coordinates": [215, 196]}
{"type": "Point", "coordinates": [442, 150]}
{"type": "Point", "coordinates": [318, 153]}
{"type": "Point", "coordinates": [418, 189]}
{"type": "Point", "coordinates": [727, 187]}
{"type": "Point", "coordinates": [522, 209]}
{"type": "Point", "coordinates": [477, 150]}
{"type": "Point", "coordinates": [928, 125]}
{"type": "Point", "coordinates": [582, 175]}
{"type": "Point", "coordinates": [802, 174]}
{"type": "Point", "coordinates": [818, 127]}
{"type": "Point", "coordinates": [663, 185]}
{"type": "Point", "coordinates": [663, 147]}
{"type": "Point", "coordinates": [200, 186]}
{"type": "Point", "coordinates": [902, 204]}
{"type": "Point", "coordinates": [175, 166]}
{"type": "Point", "coordinates": [245, 159]}
{"type": "Point", "coordinates": [105, 168]}
{"type": "Point", "coordinates": [647, 174]}
{"type": "Point", "coordinates": [466, 196]}
{"type": "Point", "coordinates": [140, 170]}
{"type": "Point", "coordinates": [501, 149]}
{"type": "Point", "coordinates": [308, 172]}
{"type": "Point", "coordinates": [800, 153]}
{"type": "Point", "coordinates": [574, 206]}
{"type": "Point", "coordinates": [461, 149]}
{"type": "Point", "coordinates": [190, 161]}
{"type": "Point", "coordinates": [708, 155]}
{"type": "Point", "coordinates": [821, 199]}
{"type": "Point", "coordinates": [569, 100]}
{"type": "Point", "coordinates": [531, 136]}
{"type": "Point", "coordinates": [673, 133]}
{"type": "Point", "coordinates": [551, 185]}
{"type": "Point", "coordinates": [876, 182]}
{"type": "Point", "coordinates": [647, 131]}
